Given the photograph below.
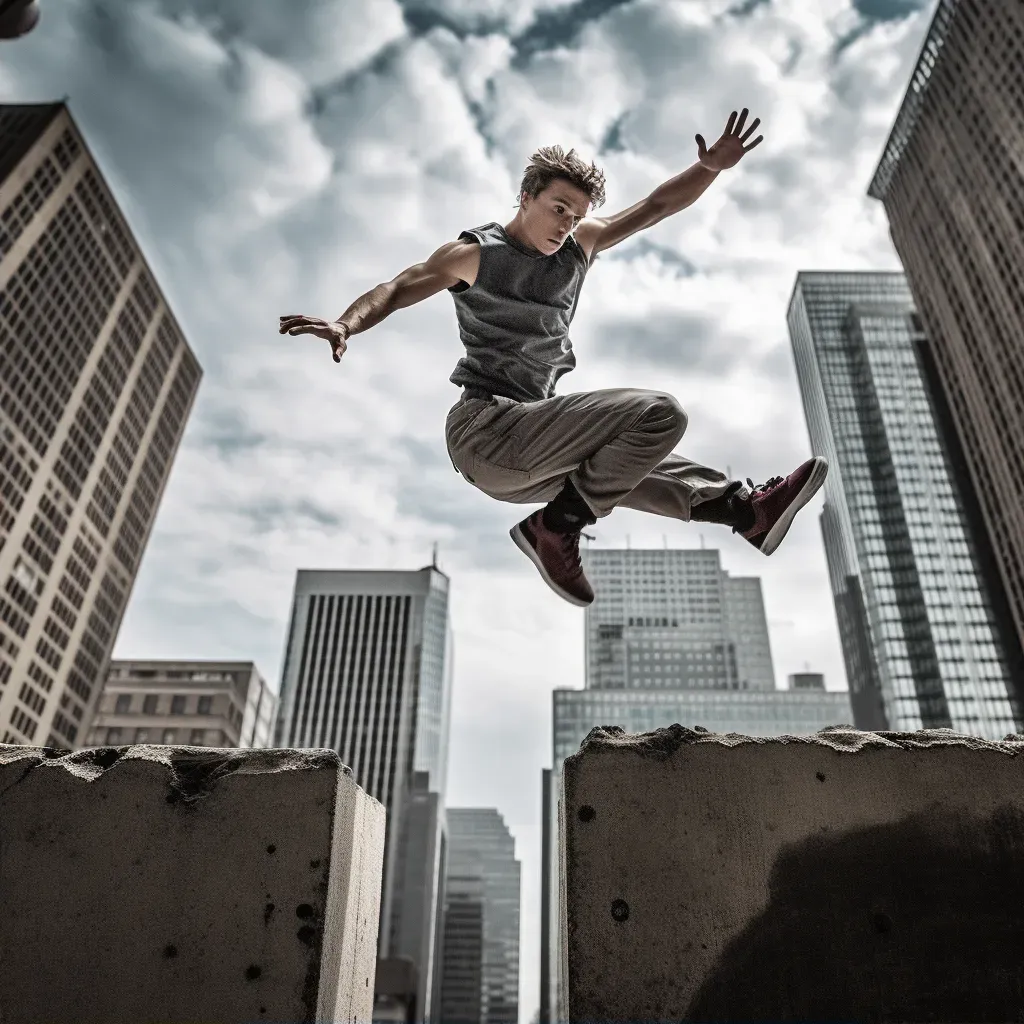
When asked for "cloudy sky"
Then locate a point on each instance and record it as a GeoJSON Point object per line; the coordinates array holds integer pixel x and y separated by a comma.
{"type": "Point", "coordinates": [280, 157]}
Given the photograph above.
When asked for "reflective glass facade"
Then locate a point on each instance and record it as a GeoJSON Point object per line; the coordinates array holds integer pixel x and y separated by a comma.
{"type": "Point", "coordinates": [671, 618]}
{"type": "Point", "coordinates": [919, 635]}
{"type": "Point", "coordinates": [480, 980]}
{"type": "Point", "coordinates": [779, 713]}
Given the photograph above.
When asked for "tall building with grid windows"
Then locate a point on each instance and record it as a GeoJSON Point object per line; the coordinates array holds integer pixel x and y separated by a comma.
{"type": "Point", "coordinates": [96, 385]}
{"type": "Point", "coordinates": [480, 979]}
{"type": "Point", "coordinates": [368, 672]}
{"type": "Point", "coordinates": [951, 180]}
{"type": "Point", "coordinates": [923, 642]}
{"type": "Point", "coordinates": [672, 618]}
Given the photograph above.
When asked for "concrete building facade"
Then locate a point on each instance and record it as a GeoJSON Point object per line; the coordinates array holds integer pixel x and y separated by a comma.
{"type": "Point", "coordinates": [920, 634]}
{"type": "Point", "coordinates": [368, 672]}
{"type": "Point", "coordinates": [96, 385]}
{"type": "Point", "coordinates": [197, 703]}
{"type": "Point", "coordinates": [951, 179]}
{"type": "Point", "coordinates": [480, 982]}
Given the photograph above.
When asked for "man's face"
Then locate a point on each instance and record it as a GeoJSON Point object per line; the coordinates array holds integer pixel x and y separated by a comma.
{"type": "Point", "coordinates": [552, 215]}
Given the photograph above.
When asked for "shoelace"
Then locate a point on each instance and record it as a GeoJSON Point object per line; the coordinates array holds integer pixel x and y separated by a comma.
{"type": "Point", "coordinates": [766, 486]}
{"type": "Point", "coordinates": [572, 549]}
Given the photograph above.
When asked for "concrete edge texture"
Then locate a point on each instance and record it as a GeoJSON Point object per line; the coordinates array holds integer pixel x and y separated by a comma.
{"type": "Point", "coordinates": [339, 982]}
{"type": "Point", "coordinates": [664, 741]}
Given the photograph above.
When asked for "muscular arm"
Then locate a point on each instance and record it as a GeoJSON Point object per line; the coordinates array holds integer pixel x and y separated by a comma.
{"type": "Point", "coordinates": [452, 263]}
{"type": "Point", "coordinates": [597, 233]}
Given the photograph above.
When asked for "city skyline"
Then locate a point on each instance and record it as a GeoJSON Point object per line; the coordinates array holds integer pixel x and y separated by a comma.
{"type": "Point", "coordinates": [255, 206]}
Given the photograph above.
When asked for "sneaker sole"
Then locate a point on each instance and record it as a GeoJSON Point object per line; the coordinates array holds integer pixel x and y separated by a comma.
{"type": "Point", "coordinates": [527, 549]}
{"type": "Point", "coordinates": [777, 533]}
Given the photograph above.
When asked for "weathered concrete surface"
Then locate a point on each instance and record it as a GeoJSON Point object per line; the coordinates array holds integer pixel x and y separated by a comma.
{"type": "Point", "coordinates": [844, 876]}
{"type": "Point", "coordinates": [183, 884]}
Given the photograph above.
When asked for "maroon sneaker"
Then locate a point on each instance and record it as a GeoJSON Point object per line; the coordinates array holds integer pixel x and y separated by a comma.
{"type": "Point", "coordinates": [557, 557]}
{"type": "Point", "coordinates": [776, 503]}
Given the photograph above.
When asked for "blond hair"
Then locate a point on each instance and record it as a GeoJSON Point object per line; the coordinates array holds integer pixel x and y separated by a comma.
{"type": "Point", "coordinates": [551, 162]}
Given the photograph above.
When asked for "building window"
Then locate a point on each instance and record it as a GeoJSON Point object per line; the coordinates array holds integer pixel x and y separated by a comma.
{"type": "Point", "coordinates": [170, 735]}
{"type": "Point", "coordinates": [113, 735]}
{"type": "Point", "coordinates": [205, 704]}
{"type": "Point", "coordinates": [124, 703]}
{"type": "Point", "coordinates": [196, 738]}
{"type": "Point", "coordinates": [177, 705]}
{"type": "Point", "coordinates": [149, 703]}
{"type": "Point", "coordinates": [141, 735]}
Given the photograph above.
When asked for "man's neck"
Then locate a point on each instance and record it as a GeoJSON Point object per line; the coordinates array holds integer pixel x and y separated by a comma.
{"type": "Point", "coordinates": [514, 230]}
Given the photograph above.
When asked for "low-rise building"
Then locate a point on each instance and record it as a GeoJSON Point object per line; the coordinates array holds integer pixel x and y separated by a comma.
{"type": "Point", "coordinates": [194, 703]}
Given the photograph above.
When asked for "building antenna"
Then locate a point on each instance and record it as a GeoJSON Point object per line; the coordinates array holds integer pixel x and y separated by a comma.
{"type": "Point", "coordinates": [702, 542]}
{"type": "Point", "coordinates": [664, 541]}
{"type": "Point", "coordinates": [433, 560]}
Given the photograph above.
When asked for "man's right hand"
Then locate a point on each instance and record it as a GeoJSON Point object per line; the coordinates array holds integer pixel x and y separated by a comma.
{"type": "Point", "coordinates": [331, 330]}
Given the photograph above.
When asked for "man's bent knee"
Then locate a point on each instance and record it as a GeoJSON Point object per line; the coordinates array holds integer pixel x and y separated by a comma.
{"type": "Point", "coordinates": [666, 415]}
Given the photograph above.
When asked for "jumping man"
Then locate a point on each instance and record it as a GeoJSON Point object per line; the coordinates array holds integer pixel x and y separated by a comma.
{"type": "Point", "coordinates": [515, 290]}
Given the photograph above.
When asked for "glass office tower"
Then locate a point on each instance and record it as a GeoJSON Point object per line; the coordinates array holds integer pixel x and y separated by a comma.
{"type": "Point", "coordinates": [922, 645]}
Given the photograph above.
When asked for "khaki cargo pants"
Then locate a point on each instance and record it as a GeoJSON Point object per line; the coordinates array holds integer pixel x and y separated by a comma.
{"type": "Point", "coordinates": [614, 445]}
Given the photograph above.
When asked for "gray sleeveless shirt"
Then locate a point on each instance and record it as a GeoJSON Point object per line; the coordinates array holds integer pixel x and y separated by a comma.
{"type": "Point", "coordinates": [514, 320]}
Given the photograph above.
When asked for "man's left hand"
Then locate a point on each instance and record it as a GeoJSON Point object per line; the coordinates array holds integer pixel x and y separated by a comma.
{"type": "Point", "coordinates": [728, 150]}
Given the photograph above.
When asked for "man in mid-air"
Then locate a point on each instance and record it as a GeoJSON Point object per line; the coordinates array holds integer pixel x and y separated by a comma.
{"type": "Point", "coordinates": [515, 290]}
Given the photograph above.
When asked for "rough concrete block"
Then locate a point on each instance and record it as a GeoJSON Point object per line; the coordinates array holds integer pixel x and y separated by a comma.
{"type": "Point", "coordinates": [182, 884]}
{"type": "Point", "coordinates": [842, 876]}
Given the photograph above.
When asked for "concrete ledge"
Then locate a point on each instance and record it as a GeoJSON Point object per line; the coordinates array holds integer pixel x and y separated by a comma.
{"type": "Point", "coordinates": [186, 884]}
{"type": "Point", "coordinates": [841, 876]}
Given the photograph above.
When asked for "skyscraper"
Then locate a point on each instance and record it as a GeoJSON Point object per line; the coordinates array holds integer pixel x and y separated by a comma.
{"type": "Point", "coordinates": [951, 179]}
{"type": "Point", "coordinates": [921, 641]}
{"type": "Point", "coordinates": [672, 618]}
{"type": "Point", "coordinates": [480, 980]}
{"type": "Point", "coordinates": [367, 672]}
{"type": "Point", "coordinates": [96, 384]}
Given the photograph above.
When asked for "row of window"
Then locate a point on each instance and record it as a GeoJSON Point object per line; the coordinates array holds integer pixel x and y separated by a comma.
{"type": "Point", "coordinates": [193, 737]}
{"type": "Point", "coordinates": [127, 702]}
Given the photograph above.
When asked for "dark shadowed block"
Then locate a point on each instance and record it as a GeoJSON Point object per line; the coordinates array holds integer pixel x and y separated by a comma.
{"type": "Point", "coordinates": [182, 884]}
{"type": "Point", "coordinates": [844, 876]}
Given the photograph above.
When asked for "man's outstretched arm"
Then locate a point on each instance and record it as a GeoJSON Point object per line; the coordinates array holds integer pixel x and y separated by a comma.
{"type": "Point", "coordinates": [597, 233]}
{"type": "Point", "coordinates": [452, 263]}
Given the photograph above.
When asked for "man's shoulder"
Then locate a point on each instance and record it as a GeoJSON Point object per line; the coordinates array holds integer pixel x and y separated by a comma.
{"type": "Point", "coordinates": [461, 259]}
{"type": "Point", "coordinates": [483, 234]}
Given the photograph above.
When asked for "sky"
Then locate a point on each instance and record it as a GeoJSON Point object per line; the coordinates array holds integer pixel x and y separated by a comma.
{"type": "Point", "coordinates": [280, 158]}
